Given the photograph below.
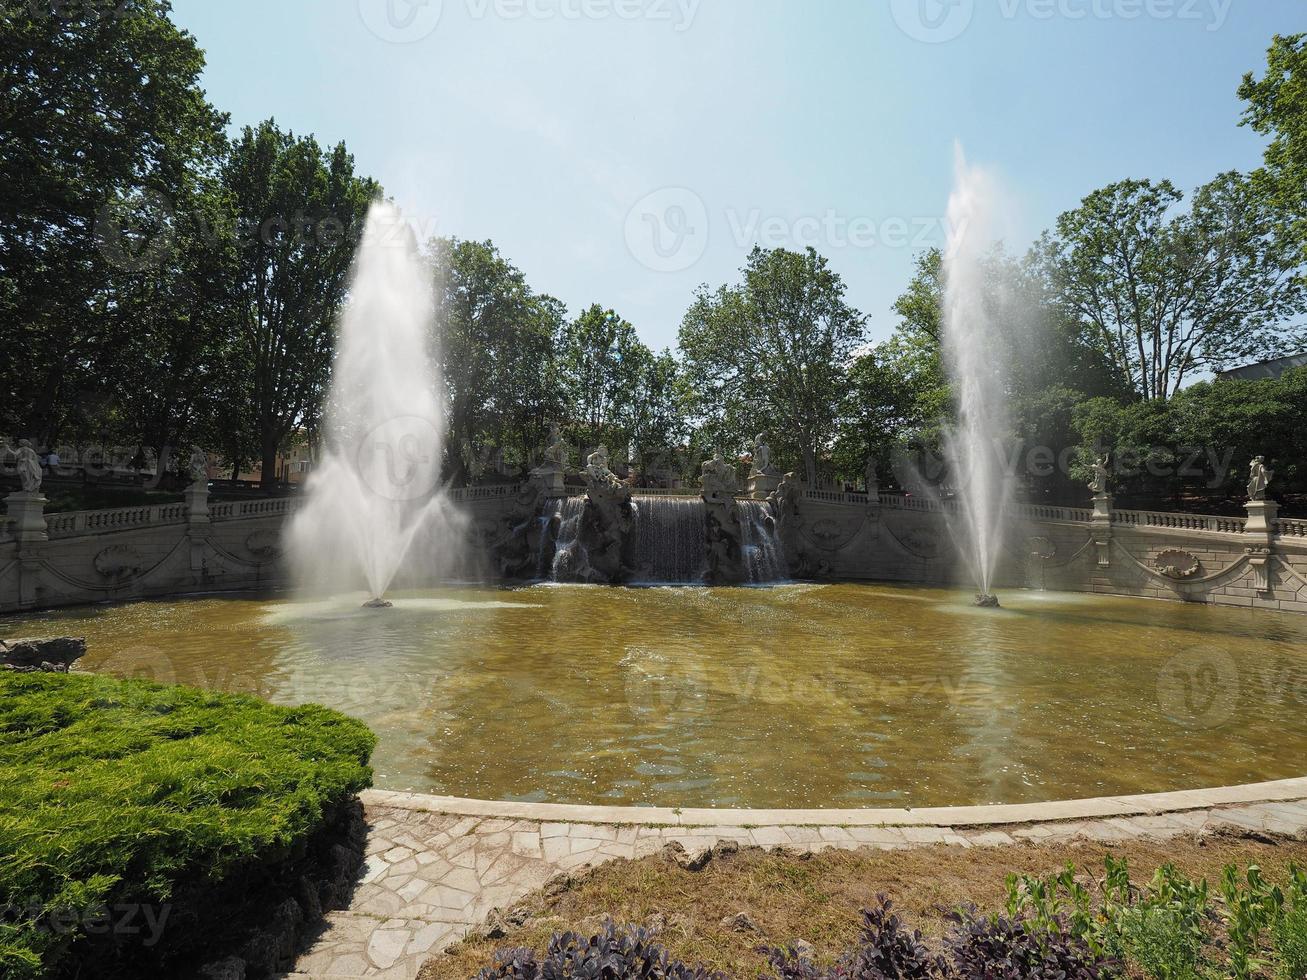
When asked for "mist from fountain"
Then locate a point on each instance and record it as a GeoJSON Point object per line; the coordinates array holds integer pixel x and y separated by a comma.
{"type": "Point", "coordinates": [374, 509]}
{"type": "Point", "coordinates": [971, 344]}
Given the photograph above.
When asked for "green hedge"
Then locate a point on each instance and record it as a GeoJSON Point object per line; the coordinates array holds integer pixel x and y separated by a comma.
{"type": "Point", "coordinates": [115, 793]}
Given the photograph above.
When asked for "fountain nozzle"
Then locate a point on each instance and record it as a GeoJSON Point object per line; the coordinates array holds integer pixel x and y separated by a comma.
{"type": "Point", "coordinates": [987, 602]}
{"type": "Point", "coordinates": [378, 603]}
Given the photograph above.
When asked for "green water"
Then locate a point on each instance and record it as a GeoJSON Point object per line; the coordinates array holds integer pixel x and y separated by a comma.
{"type": "Point", "coordinates": [795, 696]}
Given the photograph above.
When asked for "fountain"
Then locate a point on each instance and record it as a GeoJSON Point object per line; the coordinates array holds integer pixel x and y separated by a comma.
{"type": "Point", "coordinates": [374, 505]}
{"type": "Point", "coordinates": [969, 340]}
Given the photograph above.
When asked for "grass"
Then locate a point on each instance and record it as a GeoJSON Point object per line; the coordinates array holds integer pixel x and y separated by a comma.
{"type": "Point", "coordinates": [119, 792]}
{"type": "Point", "coordinates": [818, 898]}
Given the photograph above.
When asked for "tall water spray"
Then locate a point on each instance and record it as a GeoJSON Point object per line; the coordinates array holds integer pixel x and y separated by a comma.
{"type": "Point", "coordinates": [374, 503]}
{"type": "Point", "coordinates": [971, 344]}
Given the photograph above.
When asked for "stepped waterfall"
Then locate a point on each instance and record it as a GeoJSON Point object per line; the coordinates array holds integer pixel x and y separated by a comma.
{"type": "Point", "coordinates": [668, 541]}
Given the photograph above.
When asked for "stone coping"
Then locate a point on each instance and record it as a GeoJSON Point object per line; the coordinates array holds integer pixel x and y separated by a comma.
{"type": "Point", "coordinates": [954, 816]}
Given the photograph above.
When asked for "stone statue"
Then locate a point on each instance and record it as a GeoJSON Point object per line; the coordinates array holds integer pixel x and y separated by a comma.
{"type": "Point", "coordinates": [199, 466]}
{"type": "Point", "coordinates": [555, 456]}
{"type": "Point", "coordinates": [718, 477]}
{"type": "Point", "coordinates": [873, 480]}
{"type": "Point", "coordinates": [29, 467]}
{"type": "Point", "coordinates": [1259, 479]}
{"type": "Point", "coordinates": [596, 468]}
{"type": "Point", "coordinates": [762, 456]}
{"type": "Point", "coordinates": [1102, 475]}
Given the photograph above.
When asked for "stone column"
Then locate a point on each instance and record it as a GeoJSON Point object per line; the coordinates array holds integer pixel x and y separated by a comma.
{"type": "Point", "coordinates": [1261, 520]}
{"type": "Point", "coordinates": [27, 511]}
{"type": "Point", "coordinates": [762, 485]}
{"type": "Point", "coordinates": [1259, 533]}
{"type": "Point", "coordinates": [197, 502]}
{"type": "Point", "coordinates": [1102, 528]}
{"type": "Point", "coordinates": [198, 528]}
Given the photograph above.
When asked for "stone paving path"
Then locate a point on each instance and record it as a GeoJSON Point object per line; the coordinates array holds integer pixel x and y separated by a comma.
{"type": "Point", "coordinates": [431, 876]}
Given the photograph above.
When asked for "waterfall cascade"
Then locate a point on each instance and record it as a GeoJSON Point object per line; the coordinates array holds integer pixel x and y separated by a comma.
{"type": "Point", "coordinates": [669, 544]}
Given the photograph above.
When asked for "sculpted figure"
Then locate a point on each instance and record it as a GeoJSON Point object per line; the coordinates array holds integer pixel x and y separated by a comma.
{"type": "Point", "coordinates": [761, 455]}
{"type": "Point", "coordinates": [1102, 475]}
{"type": "Point", "coordinates": [199, 466]}
{"type": "Point", "coordinates": [1259, 479]}
{"type": "Point", "coordinates": [718, 477]}
{"type": "Point", "coordinates": [555, 457]}
{"type": "Point", "coordinates": [29, 467]}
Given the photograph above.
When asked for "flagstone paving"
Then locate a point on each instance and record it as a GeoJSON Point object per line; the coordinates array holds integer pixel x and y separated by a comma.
{"type": "Point", "coordinates": [431, 877]}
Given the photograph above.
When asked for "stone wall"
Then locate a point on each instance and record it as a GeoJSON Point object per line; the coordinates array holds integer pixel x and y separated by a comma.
{"type": "Point", "coordinates": [1187, 558]}
{"type": "Point", "coordinates": [199, 547]}
{"type": "Point", "coordinates": [55, 560]}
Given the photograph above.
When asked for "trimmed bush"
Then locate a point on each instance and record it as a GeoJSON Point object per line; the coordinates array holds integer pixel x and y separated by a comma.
{"type": "Point", "coordinates": [126, 795]}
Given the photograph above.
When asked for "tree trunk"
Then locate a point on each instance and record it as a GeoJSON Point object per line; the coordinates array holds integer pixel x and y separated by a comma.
{"type": "Point", "coordinates": [268, 472]}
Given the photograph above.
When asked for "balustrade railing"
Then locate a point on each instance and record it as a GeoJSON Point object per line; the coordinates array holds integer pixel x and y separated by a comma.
{"type": "Point", "coordinates": [119, 519]}
{"type": "Point", "coordinates": [1290, 529]}
{"type": "Point", "coordinates": [235, 510]}
{"type": "Point", "coordinates": [1182, 522]}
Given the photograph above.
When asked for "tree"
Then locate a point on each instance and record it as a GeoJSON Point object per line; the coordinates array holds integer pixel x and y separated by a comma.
{"type": "Point", "coordinates": [1170, 293]}
{"type": "Point", "coordinates": [656, 413]}
{"type": "Point", "coordinates": [771, 353]}
{"type": "Point", "coordinates": [1277, 107]}
{"type": "Point", "coordinates": [500, 345]}
{"type": "Point", "coordinates": [102, 106]}
{"type": "Point", "coordinates": [603, 363]}
{"type": "Point", "coordinates": [296, 211]}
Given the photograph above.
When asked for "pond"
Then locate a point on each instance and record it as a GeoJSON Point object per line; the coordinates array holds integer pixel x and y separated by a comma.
{"type": "Point", "coordinates": [790, 696]}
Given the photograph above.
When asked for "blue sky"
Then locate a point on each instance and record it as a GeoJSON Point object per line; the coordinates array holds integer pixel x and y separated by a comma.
{"type": "Point", "coordinates": [625, 151]}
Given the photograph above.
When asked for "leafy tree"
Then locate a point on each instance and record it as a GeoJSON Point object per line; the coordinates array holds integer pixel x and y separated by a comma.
{"type": "Point", "coordinates": [500, 344]}
{"type": "Point", "coordinates": [1170, 293]}
{"type": "Point", "coordinates": [1277, 107]}
{"type": "Point", "coordinates": [603, 363]}
{"type": "Point", "coordinates": [102, 106]}
{"type": "Point", "coordinates": [296, 211]}
{"type": "Point", "coordinates": [771, 353]}
{"type": "Point", "coordinates": [656, 413]}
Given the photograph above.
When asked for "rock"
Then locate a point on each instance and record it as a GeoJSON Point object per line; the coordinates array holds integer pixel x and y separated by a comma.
{"type": "Point", "coordinates": [725, 847]}
{"type": "Point", "coordinates": [739, 922]}
{"type": "Point", "coordinates": [557, 885]}
{"type": "Point", "coordinates": [232, 968]}
{"type": "Point", "coordinates": [51, 656]}
{"type": "Point", "coordinates": [675, 853]}
{"type": "Point", "coordinates": [803, 949]}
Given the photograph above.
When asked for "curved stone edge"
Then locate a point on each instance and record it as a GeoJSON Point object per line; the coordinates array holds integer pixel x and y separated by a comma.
{"type": "Point", "coordinates": [956, 816]}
